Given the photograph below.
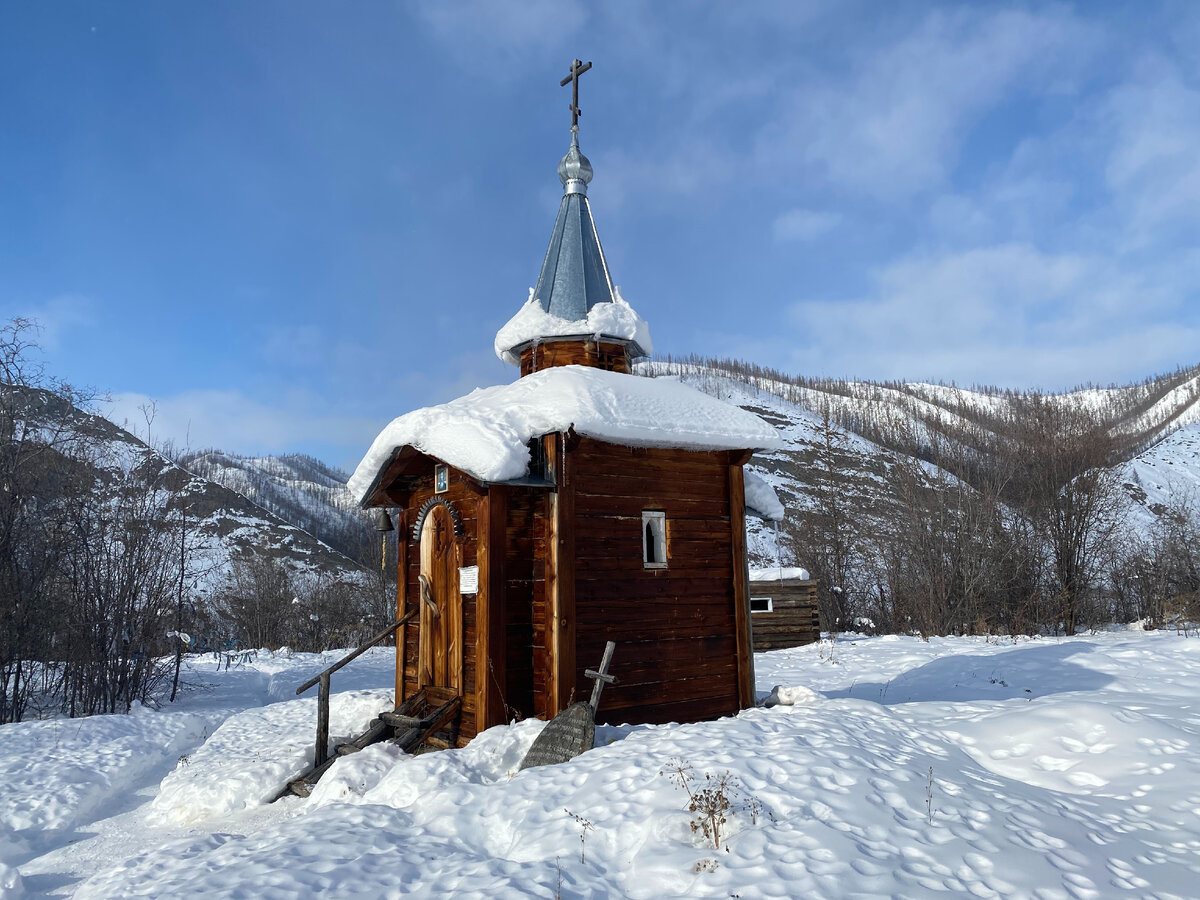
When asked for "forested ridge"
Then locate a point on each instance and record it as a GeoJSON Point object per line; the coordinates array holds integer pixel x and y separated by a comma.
{"type": "Point", "coordinates": [993, 510]}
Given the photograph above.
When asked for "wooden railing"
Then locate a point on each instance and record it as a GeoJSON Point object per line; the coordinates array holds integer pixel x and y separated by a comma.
{"type": "Point", "coordinates": [322, 754]}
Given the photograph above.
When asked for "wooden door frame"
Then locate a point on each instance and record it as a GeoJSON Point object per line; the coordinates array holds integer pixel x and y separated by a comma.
{"type": "Point", "coordinates": [426, 665]}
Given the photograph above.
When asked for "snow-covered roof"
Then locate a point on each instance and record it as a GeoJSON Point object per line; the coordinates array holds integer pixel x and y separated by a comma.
{"type": "Point", "coordinates": [486, 433]}
{"type": "Point", "coordinates": [779, 573]}
{"type": "Point", "coordinates": [614, 320]}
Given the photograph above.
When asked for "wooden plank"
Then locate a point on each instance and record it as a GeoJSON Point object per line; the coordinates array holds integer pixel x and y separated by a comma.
{"type": "Point", "coordinates": [491, 653]}
{"type": "Point", "coordinates": [593, 484]}
{"type": "Point", "coordinates": [741, 579]}
{"type": "Point", "coordinates": [601, 505]}
{"type": "Point", "coordinates": [650, 693]}
{"type": "Point", "coordinates": [692, 710]}
{"type": "Point", "coordinates": [401, 605]}
{"type": "Point", "coordinates": [563, 598]}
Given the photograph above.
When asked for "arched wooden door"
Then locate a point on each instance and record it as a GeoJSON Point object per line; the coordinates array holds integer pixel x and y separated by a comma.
{"type": "Point", "coordinates": [441, 604]}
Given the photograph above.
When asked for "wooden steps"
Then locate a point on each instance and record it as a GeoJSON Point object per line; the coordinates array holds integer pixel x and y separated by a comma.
{"type": "Point", "coordinates": [427, 720]}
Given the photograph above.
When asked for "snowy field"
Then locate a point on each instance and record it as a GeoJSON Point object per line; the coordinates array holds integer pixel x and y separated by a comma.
{"type": "Point", "coordinates": [1043, 768]}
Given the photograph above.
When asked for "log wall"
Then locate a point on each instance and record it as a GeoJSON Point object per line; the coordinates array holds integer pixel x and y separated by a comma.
{"type": "Point", "coordinates": [676, 627]}
{"type": "Point", "coordinates": [600, 355]}
{"type": "Point", "coordinates": [794, 620]}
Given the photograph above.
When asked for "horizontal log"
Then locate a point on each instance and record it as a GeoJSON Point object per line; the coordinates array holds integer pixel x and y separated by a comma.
{"type": "Point", "coordinates": [673, 667]}
{"type": "Point", "coordinates": [642, 585]}
{"type": "Point", "coordinates": [658, 714]}
{"type": "Point", "coordinates": [592, 527]}
{"type": "Point", "coordinates": [597, 505]}
{"type": "Point", "coordinates": [713, 488]}
{"type": "Point", "coordinates": [675, 691]}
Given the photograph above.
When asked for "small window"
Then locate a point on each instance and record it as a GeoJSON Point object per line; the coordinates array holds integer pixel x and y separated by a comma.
{"type": "Point", "coordinates": [761, 604]}
{"type": "Point", "coordinates": [654, 539]}
{"type": "Point", "coordinates": [441, 479]}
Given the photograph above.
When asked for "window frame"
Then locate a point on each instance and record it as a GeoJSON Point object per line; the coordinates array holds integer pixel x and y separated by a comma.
{"type": "Point", "coordinates": [770, 605]}
{"type": "Point", "coordinates": [656, 521]}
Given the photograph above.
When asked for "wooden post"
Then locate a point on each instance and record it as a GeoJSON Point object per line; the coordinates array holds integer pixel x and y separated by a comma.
{"type": "Point", "coordinates": [401, 607]}
{"type": "Point", "coordinates": [490, 613]}
{"type": "Point", "coordinates": [741, 578]}
{"type": "Point", "coordinates": [322, 753]}
{"type": "Point", "coordinates": [561, 578]}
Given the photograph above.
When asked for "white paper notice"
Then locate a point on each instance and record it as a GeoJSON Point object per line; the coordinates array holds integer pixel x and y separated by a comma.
{"type": "Point", "coordinates": [468, 580]}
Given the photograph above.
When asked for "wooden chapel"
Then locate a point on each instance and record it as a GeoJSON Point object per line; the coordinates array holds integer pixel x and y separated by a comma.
{"type": "Point", "coordinates": [580, 504]}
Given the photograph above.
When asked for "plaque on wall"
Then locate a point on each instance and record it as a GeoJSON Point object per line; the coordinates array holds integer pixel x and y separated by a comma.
{"type": "Point", "coordinates": [468, 580]}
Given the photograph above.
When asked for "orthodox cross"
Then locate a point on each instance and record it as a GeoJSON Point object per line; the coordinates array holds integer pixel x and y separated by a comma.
{"type": "Point", "coordinates": [600, 677]}
{"type": "Point", "coordinates": [578, 67]}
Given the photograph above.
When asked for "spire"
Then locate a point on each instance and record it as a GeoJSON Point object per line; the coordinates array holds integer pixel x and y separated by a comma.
{"type": "Point", "coordinates": [575, 300]}
{"type": "Point", "coordinates": [574, 275]}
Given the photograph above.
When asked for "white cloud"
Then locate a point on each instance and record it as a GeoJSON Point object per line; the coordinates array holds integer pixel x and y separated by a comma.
{"type": "Point", "coordinates": [897, 124]}
{"type": "Point", "coordinates": [803, 225]}
{"type": "Point", "coordinates": [1153, 122]}
{"type": "Point", "coordinates": [59, 315]}
{"type": "Point", "coordinates": [478, 33]}
{"type": "Point", "coordinates": [233, 421]}
{"type": "Point", "coordinates": [1007, 314]}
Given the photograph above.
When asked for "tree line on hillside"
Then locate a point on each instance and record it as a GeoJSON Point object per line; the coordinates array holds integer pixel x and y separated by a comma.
{"type": "Point", "coordinates": [106, 578]}
{"type": "Point", "coordinates": [1009, 518]}
{"type": "Point", "coordinates": [314, 499]}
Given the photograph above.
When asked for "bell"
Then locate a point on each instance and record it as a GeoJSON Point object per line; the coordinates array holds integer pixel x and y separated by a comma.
{"type": "Point", "coordinates": [383, 522]}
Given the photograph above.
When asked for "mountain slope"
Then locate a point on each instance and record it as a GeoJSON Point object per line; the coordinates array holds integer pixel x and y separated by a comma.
{"type": "Point", "coordinates": [299, 489]}
{"type": "Point", "coordinates": [223, 525]}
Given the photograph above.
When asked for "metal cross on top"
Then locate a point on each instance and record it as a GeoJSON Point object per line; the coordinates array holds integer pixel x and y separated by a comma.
{"type": "Point", "coordinates": [578, 67]}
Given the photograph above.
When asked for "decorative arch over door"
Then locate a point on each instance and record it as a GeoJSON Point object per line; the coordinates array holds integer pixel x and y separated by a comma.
{"type": "Point", "coordinates": [423, 511]}
{"type": "Point", "coordinates": [440, 652]}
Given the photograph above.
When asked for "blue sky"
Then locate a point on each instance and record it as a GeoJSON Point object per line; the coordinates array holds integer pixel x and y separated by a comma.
{"type": "Point", "coordinates": [288, 222]}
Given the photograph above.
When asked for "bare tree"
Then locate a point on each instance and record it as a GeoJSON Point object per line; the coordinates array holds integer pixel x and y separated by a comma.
{"type": "Point", "coordinates": [1064, 483]}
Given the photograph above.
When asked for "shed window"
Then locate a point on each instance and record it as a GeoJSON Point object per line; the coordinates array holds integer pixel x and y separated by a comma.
{"type": "Point", "coordinates": [761, 604]}
{"type": "Point", "coordinates": [654, 539]}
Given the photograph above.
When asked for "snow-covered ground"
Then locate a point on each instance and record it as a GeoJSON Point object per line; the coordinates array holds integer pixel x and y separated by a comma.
{"type": "Point", "coordinates": [1048, 768]}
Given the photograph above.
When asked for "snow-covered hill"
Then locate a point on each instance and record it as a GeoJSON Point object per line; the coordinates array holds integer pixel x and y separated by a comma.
{"type": "Point", "coordinates": [1166, 475]}
{"type": "Point", "coordinates": [1155, 424]}
{"type": "Point", "coordinates": [818, 460]}
{"type": "Point", "coordinates": [299, 489]}
{"type": "Point", "coordinates": [223, 524]}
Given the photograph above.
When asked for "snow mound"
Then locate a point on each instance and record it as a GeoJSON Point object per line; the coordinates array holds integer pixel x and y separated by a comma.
{"type": "Point", "coordinates": [604, 320]}
{"type": "Point", "coordinates": [253, 754]}
{"type": "Point", "coordinates": [11, 883]}
{"type": "Point", "coordinates": [798, 695]}
{"type": "Point", "coordinates": [58, 773]}
{"type": "Point", "coordinates": [486, 433]}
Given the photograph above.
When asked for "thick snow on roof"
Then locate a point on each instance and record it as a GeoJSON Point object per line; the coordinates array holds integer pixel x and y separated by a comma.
{"type": "Point", "coordinates": [777, 573]}
{"type": "Point", "coordinates": [760, 497]}
{"type": "Point", "coordinates": [486, 432]}
{"type": "Point", "coordinates": [617, 320]}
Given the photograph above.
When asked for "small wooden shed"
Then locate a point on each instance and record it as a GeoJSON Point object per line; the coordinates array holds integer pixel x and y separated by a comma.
{"type": "Point", "coordinates": [579, 504]}
{"type": "Point", "coordinates": [783, 608]}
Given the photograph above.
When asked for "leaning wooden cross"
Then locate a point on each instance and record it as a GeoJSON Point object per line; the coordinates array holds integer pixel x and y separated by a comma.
{"type": "Point", "coordinates": [573, 730]}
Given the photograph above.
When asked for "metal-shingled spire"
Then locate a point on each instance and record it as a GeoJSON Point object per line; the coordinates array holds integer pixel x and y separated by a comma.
{"type": "Point", "coordinates": [574, 275]}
